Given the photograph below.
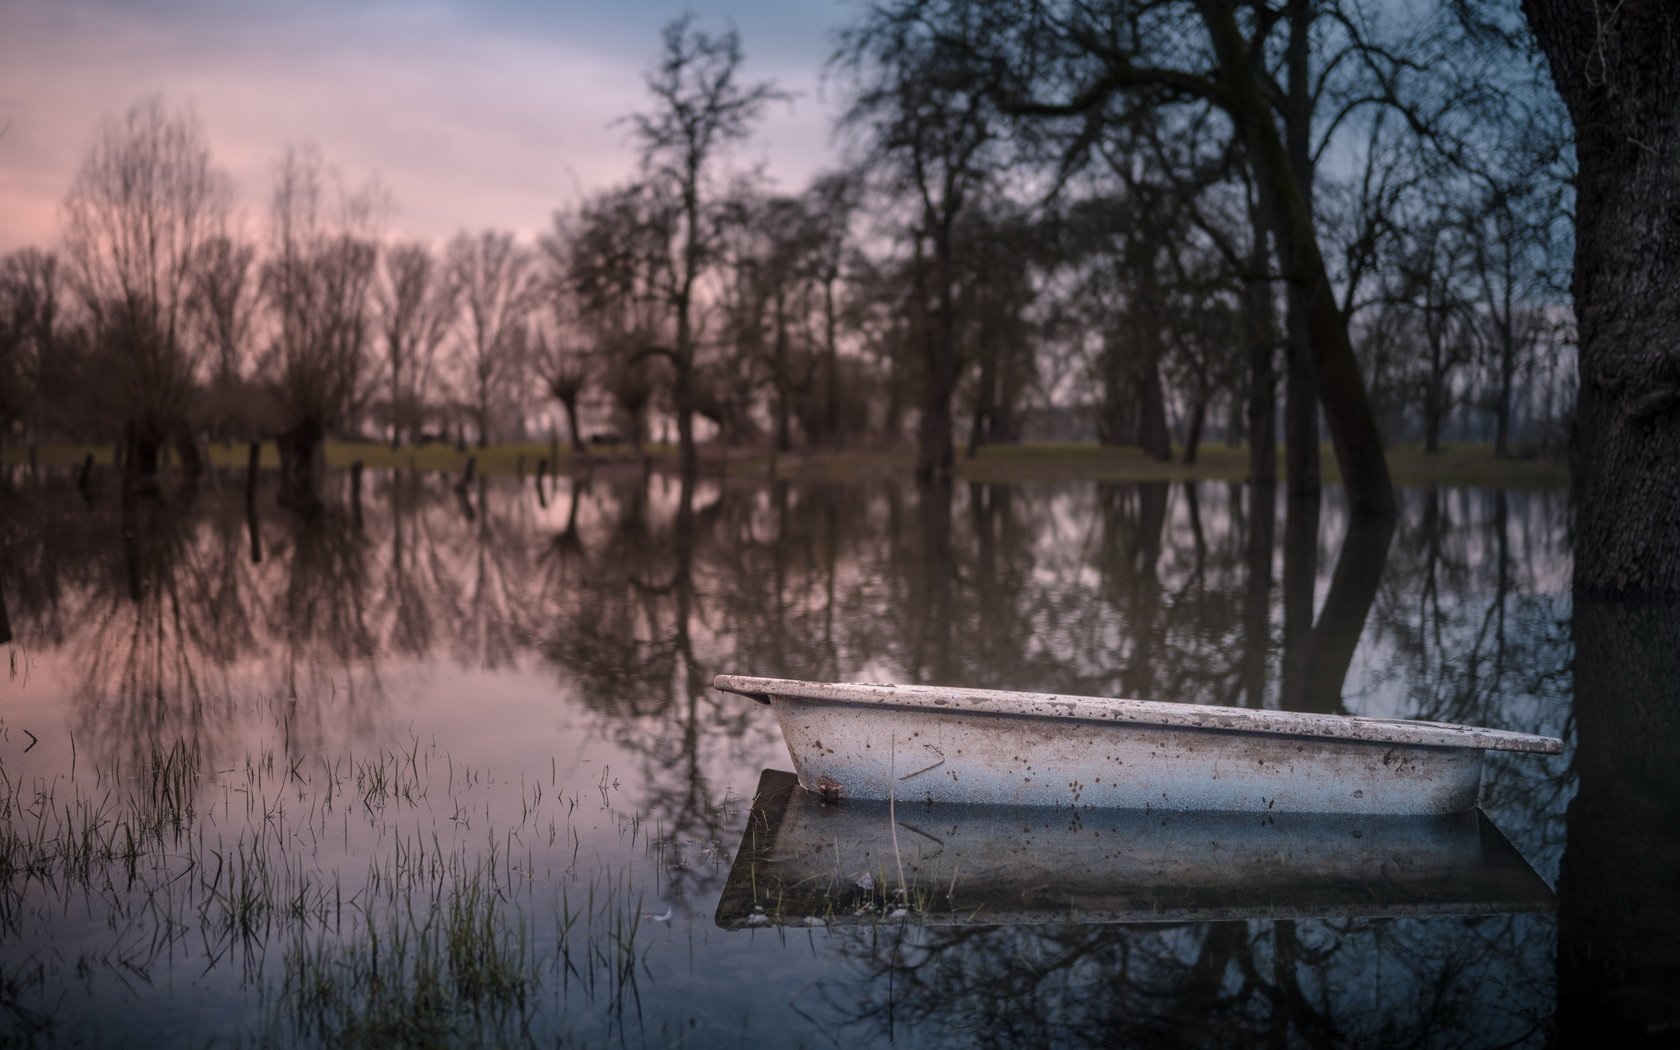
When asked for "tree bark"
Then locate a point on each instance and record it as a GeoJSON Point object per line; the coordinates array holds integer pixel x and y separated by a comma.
{"type": "Point", "coordinates": [1619, 76]}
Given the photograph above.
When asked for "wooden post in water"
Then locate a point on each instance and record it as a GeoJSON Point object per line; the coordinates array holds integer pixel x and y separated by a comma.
{"type": "Point", "coordinates": [461, 489]}
{"type": "Point", "coordinates": [254, 462]}
{"type": "Point", "coordinates": [252, 526]}
{"type": "Point", "coordinates": [85, 475]}
{"type": "Point", "coordinates": [356, 492]}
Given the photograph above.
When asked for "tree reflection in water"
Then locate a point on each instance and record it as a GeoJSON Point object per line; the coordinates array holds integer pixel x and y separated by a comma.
{"type": "Point", "coordinates": [625, 592]}
{"type": "Point", "coordinates": [1397, 982]}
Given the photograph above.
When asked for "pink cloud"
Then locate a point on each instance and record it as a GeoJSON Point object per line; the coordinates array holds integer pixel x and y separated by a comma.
{"type": "Point", "coordinates": [466, 125]}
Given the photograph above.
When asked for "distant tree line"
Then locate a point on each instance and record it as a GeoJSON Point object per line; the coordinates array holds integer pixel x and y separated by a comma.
{"type": "Point", "coordinates": [1175, 219]}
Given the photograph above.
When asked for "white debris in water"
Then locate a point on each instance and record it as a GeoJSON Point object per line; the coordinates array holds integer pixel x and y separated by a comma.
{"type": "Point", "coordinates": [865, 881]}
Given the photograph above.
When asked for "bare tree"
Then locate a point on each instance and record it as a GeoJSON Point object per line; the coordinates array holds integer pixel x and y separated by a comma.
{"type": "Point", "coordinates": [700, 108]}
{"type": "Point", "coordinates": [931, 124]}
{"type": "Point", "coordinates": [733, 377]}
{"type": "Point", "coordinates": [1087, 64]}
{"type": "Point", "coordinates": [770, 249]}
{"type": "Point", "coordinates": [30, 323]}
{"type": "Point", "coordinates": [225, 296]}
{"type": "Point", "coordinates": [417, 305]}
{"type": "Point", "coordinates": [318, 283]}
{"type": "Point", "coordinates": [139, 212]}
{"type": "Point", "coordinates": [1003, 255]}
{"type": "Point", "coordinates": [560, 345]}
{"type": "Point", "coordinates": [619, 271]}
{"type": "Point", "coordinates": [831, 201]}
{"type": "Point", "coordinates": [1434, 275]}
{"type": "Point", "coordinates": [495, 284]}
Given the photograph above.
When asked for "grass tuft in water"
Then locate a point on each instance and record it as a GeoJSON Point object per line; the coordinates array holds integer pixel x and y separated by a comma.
{"type": "Point", "coordinates": [462, 972]}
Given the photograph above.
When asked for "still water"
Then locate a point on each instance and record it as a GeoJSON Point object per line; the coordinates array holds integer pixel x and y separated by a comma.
{"type": "Point", "coordinates": [445, 767]}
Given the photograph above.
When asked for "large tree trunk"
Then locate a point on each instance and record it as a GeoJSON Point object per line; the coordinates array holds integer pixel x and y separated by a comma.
{"type": "Point", "coordinates": [1619, 76]}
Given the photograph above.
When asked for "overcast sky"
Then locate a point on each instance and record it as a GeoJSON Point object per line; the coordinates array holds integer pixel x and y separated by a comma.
{"type": "Point", "coordinates": [471, 115]}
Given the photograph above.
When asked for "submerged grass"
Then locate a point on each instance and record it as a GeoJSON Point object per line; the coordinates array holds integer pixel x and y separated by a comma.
{"type": "Point", "coordinates": [461, 971]}
{"type": "Point", "coordinates": [341, 892]}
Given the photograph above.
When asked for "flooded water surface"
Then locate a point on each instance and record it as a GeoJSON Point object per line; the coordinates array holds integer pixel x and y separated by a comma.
{"type": "Point", "coordinates": [446, 767]}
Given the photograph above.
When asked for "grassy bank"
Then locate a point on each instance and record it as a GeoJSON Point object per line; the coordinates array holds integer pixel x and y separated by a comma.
{"type": "Point", "coordinates": [1457, 465]}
